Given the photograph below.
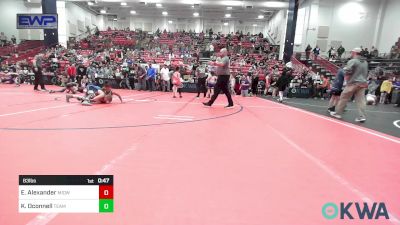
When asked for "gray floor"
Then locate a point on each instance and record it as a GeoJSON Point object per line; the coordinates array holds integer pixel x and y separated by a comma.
{"type": "Point", "coordinates": [380, 117]}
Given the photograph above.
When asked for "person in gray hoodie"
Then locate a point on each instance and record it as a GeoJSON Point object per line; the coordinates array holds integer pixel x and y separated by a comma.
{"type": "Point", "coordinates": [357, 73]}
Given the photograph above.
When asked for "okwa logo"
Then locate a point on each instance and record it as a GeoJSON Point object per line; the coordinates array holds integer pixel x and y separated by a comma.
{"type": "Point", "coordinates": [355, 210]}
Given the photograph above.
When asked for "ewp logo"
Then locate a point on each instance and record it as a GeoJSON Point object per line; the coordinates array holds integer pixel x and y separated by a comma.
{"type": "Point", "coordinates": [37, 21]}
{"type": "Point", "coordinates": [330, 211]}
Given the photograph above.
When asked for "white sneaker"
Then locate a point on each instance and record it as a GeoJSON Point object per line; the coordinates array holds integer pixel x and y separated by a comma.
{"type": "Point", "coordinates": [360, 119]}
{"type": "Point", "coordinates": [335, 115]}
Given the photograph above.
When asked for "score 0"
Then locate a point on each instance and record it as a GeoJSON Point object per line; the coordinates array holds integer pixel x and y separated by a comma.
{"type": "Point", "coordinates": [106, 201]}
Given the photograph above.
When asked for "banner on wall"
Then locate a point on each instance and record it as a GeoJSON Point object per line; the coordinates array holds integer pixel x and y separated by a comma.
{"type": "Point", "coordinates": [37, 21]}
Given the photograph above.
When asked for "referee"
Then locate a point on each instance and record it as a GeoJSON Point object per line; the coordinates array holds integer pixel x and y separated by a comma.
{"type": "Point", "coordinates": [38, 79]}
{"type": "Point", "coordinates": [37, 70]}
{"type": "Point", "coordinates": [223, 74]}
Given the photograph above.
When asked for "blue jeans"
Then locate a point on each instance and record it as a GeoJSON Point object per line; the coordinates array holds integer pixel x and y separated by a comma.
{"type": "Point", "coordinates": [150, 83]}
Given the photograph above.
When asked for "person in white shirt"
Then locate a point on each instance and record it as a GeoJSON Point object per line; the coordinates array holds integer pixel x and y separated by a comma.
{"type": "Point", "coordinates": [232, 83]}
{"type": "Point", "coordinates": [211, 49]}
{"type": "Point", "coordinates": [165, 78]}
{"type": "Point", "coordinates": [171, 56]}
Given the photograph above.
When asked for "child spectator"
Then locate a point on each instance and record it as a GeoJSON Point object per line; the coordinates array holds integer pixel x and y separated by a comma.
{"type": "Point", "coordinates": [176, 82]}
{"type": "Point", "coordinates": [84, 81]}
{"type": "Point", "coordinates": [211, 80]}
{"type": "Point", "coordinates": [386, 88]}
{"type": "Point", "coordinates": [244, 85]}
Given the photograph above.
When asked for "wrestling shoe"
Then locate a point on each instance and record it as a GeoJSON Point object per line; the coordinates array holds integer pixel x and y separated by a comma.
{"type": "Point", "coordinates": [229, 107]}
{"type": "Point", "coordinates": [86, 103]}
{"type": "Point", "coordinates": [337, 116]}
{"type": "Point", "coordinates": [360, 119]}
{"type": "Point", "coordinates": [331, 110]}
{"type": "Point", "coordinates": [205, 104]}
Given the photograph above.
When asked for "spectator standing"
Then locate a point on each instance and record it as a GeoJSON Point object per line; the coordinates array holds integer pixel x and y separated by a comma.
{"type": "Point", "coordinates": [71, 72]}
{"type": "Point", "coordinates": [91, 72]}
{"type": "Point", "coordinates": [165, 79]}
{"type": "Point", "coordinates": [316, 50]}
{"type": "Point", "coordinates": [330, 52]}
{"type": "Point", "coordinates": [357, 70]}
{"type": "Point", "coordinates": [232, 83]}
{"type": "Point", "coordinates": [201, 80]}
{"type": "Point", "coordinates": [340, 51]}
{"type": "Point", "coordinates": [374, 52]}
{"type": "Point", "coordinates": [13, 40]}
{"type": "Point", "coordinates": [150, 77]}
{"type": "Point", "coordinates": [283, 82]}
{"type": "Point", "coordinates": [3, 39]}
{"type": "Point", "coordinates": [308, 51]}
{"type": "Point", "coordinates": [140, 76]}
{"type": "Point", "coordinates": [81, 71]}
{"type": "Point", "coordinates": [267, 84]}
{"type": "Point", "coordinates": [211, 50]}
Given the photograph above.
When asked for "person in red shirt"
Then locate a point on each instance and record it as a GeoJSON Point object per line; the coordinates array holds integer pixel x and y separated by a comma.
{"type": "Point", "coordinates": [71, 71]}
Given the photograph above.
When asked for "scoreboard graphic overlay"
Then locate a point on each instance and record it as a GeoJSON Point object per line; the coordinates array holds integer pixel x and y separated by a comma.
{"type": "Point", "coordinates": [66, 194]}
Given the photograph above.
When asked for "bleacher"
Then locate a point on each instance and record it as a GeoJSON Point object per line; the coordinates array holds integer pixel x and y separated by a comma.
{"type": "Point", "coordinates": [389, 63]}
{"type": "Point", "coordinates": [318, 64]}
{"type": "Point", "coordinates": [108, 39]}
{"type": "Point", "coordinates": [22, 51]}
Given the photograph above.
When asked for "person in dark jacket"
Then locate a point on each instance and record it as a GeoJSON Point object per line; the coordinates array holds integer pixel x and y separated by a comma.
{"type": "Point", "coordinates": [308, 51]}
{"type": "Point", "coordinates": [336, 90]}
{"type": "Point", "coordinates": [283, 82]}
{"type": "Point", "coordinates": [340, 51]}
{"type": "Point", "coordinates": [38, 79]}
{"type": "Point", "coordinates": [316, 50]}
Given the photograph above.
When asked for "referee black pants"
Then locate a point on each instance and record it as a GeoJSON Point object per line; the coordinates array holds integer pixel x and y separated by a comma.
{"type": "Point", "coordinates": [201, 86]}
{"type": "Point", "coordinates": [39, 81]}
{"type": "Point", "coordinates": [222, 85]}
